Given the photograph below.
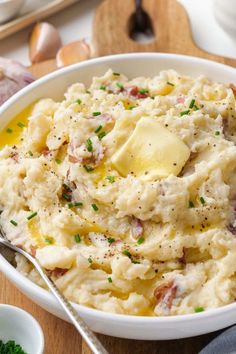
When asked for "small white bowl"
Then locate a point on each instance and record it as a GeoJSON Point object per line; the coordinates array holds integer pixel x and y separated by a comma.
{"type": "Point", "coordinates": [18, 325]}
{"type": "Point", "coordinates": [9, 8]}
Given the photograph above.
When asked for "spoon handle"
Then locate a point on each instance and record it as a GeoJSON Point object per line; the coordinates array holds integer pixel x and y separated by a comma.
{"type": "Point", "coordinates": [92, 341]}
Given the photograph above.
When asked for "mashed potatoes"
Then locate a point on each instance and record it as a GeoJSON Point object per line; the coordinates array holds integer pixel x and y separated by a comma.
{"type": "Point", "coordinates": [125, 193]}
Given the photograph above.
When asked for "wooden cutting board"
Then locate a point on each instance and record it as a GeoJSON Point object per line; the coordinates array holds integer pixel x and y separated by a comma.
{"type": "Point", "coordinates": [110, 36]}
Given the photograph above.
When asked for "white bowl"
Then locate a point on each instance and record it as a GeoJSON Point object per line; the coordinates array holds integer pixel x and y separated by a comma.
{"type": "Point", "coordinates": [9, 9]}
{"type": "Point", "coordinates": [54, 85]}
{"type": "Point", "coordinates": [18, 325]}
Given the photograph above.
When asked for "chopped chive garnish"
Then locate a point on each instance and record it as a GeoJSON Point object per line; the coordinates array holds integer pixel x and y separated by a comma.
{"type": "Point", "coordinates": [30, 153]}
{"type": "Point", "coordinates": [58, 161]}
{"type": "Point", "coordinates": [143, 91]}
{"type": "Point", "coordinates": [78, 204]}
{"type": "Point", "coordinates": [20, 125]}
{"type": "Point", "coordinates": [190, 204]}
{"type": "Point", "coordinates": [116, 74]}
{"type": "Point", "coordinates": [32, 215]}
{"type": "Point", "coordinates": [111, 179]}
{"type": "Point", "coordinates": [70, 205]}
{"type": "Point", "coordinates": [78, 101]}
{"type": "Point", "coordinates": [90, 260]}
{"type": "Point", "coordinates": [103, 88]}
{"type": "Point", "coordinates": [95, 114]}
{"type": "Point", "coordinates": [152, 97]}
{"type": "Point", "coordinates": [110, 240]}
{"type": "Point", "coordinates": [121, 86]}
{"type": "Point", "coordinates": [66, 197]}
{"type": "Point", "coordinates": [126, 253]}
{"type": "Point", "coordinates": [192, 103]}
{"type": "Point", "coordinates": [98, 129]}
{"type": "Point", "coordinates": [217, 132]}
{"type": "Point", "coordinates": [13, 222]}
{"type": "Point", "coordinates": [109, 279]}
{"type": "Point", "coordinates": [77, 238]}
{"type": "Point", "coordinates": [67, 188]}
{"type": "Point", "coordinates": [202, 200]}
{"type": "Point", "coordinates": [184, 113]}
{"type": "Point", "coordinates": [88, 168]}
{"type": "Point", "coordinates": [95, 207]}
{"type": "Point", "coordinates": [135, 262]}
{"type": "Point", "coordinates": [131, 107]}
{"type": "Point", "coordinates": [170, 83]}
{"type": "Point", "coordinates": [199, 309]}
{"type": "Point", "coordinates": [140, 240]}
{"type": "Point", "coordinates": [89, 145]}
{"type": "Point", "coordinates": [101, 135]}
{"type": "Point", "coordinates": [87, 91]}
{"type": "Point", "coordinates": [196, 108]}
{"type": "Point", "coordinates": [48, 241]}
{"type": "Point", "coordinates": [9, 130]}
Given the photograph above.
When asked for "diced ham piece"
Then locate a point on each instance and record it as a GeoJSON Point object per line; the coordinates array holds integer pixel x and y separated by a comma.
{"type": "Point", "coordinates": [165, 294]}
{"type": "Point", "coordinates": [133, 91]}
{"type": "Point", "coordinates": [82, 155]}
{"type": "Point", "coordinates": [180, 99]}
{"type": "Point", "coordinates": [136, 228]}
{"type": "Point", "coordinates": [33, 250]}
{"type": "Point", "coordinates": [57, 272]}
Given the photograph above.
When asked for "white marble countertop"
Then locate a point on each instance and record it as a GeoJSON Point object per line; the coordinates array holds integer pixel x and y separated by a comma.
{"type": "Point", "coordinates": [75, 23]}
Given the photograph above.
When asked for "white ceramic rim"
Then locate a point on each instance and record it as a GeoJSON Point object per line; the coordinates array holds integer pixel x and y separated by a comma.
{"type": "Point", "coordinates": [36, 325]}
{"type": "Point", "coordinates": [83, 310]}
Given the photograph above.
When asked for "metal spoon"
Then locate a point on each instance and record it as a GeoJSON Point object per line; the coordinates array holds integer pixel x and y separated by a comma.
{"type": "Point", "coordinates": [92, 341]}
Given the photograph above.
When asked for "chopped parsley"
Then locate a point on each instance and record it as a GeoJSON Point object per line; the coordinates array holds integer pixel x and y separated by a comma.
{"type": "Point", "coordinates": [31, 216]}
{"type": "Point", "coordinates": [11, 347]}
{"type": "Point", "coordinates": [103, 88]}
{"type": "Point", "coordinates": [109, 279]}
{"type": "Point", "coordinates": [90, 260]}
{"type": "Point", "coordinates": [121, 86]}
{"type": "Point", "coordinates": [202, 200]}
{"type": "Point", "coordinates": [190, 204]}
{"type": "Point", "coordinates": [110, 240]}
{"type": "Point", "coordinates": [192, 103]}
{"type": "Point", "coordinates": [66, 197]}
{"type": "Point", "coordinates": [78, 101]}
{"type": "Point", "coordinates": [58, 161]}
{"type": "Point", "coordinates": [89, 145]}
{"type": "Point", "coordinates": [199, 309]}
{"type": "Point", "coordinates": [95, 114]}
{"type": "Point", "coordinates": [126, 253]}
{"type": "Point", "coordinates": [98, 129]}
{"type": "Point", "coordinates": [95, 207]}
{"type": "Point", "coordinates": [20, 125]}
{"type": "Point", "coordinates": [30, 153]}
{"type": "Point", "coordinates": [101, 135]}
{"type": "Point", "coordinates": [88, 168]}
{"type": "Point", "coordinates": [77, 238]}
{"type": "Point", "coordinates": [48, 241]}
{"type": "Point", "coordinates": [111, 179]}
{"type": "Point", "coordinates": [9, 130]}
{"type": "Point", "coordinates": [13, 222]}
{"type": "Point", "coordinates": [140, 240]}
{"type": "Point", "coordinates": [143, 91]}
{"type": "Point", "coordinates": [184, 113]}
{"type": "Point", "coordinates": [217, 132]}
{"type": "Point", "coordinates": [170, 83]}
{"type": "Point", "coordinates": [116, 74]}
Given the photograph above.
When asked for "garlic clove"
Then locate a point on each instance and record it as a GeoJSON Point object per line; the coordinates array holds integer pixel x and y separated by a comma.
{"type": "Point", "coordinates": [44, 42]}
{"type": "Point", "coordinates": [73, 53]}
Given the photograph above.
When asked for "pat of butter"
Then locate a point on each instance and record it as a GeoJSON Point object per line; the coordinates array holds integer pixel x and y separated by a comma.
{"type": "Point", "coordinates": [151, 152]}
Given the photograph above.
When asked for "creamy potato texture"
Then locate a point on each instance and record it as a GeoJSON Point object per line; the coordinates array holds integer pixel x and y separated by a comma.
{"type": "Point", "coordinates": [125, 193]}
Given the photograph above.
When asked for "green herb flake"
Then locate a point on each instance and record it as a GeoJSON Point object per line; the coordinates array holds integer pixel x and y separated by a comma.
{"type": "Point", "coordinates": [120, 85]}
{"type": "Point", "coordinates": [199, 309]}
{"type": "Point", "coordinates": [66, 197]}
{"type": "Point", "coordinates": [140, 240]}
{"type": "Point", "coordinates": [143, 91]}
{"type": "Point", "coordinates": [9, 130]}
{"type": "Point", "coordinates": [135, 262]}
{"type": "Point", "coordinates": [192, 103]}
{"type": "Point", "coordinates": [10, 347]}
{"type": "Point", "coordinates": [30, 153]}
{"type": "Point", "coordinates": [101, 135]}
{"type": "Point", "coordinates": [109, 279]}
{"type": "Point", "coordinates": [89, 145]}
{"type": "Point", "coordinates": [191, 205]}
{"type": "Point", "coordinates": [126, 253]}
{"type": "Point", "coordinates": [31, 216]}
{"type": "Point", "coordinates": [48, 241]}
{"type": "Point", "coordinates": [202, 200]}
{"type": "Point", "coordinates": [116, 74]}
{"type": "Point", "coordinates": [102, 88]}
{"type": "Point", "coordinates": [13, 222]}
{"type": "Point", "coordinates": [95, 114]}
{"type": "Point", "coordinates": [77, 238]}
{"type": "Point", "coordinates": [88, 168]}
{"type": "Point", "coordinates": [110, 240]}
{"type": "Point", "coordinates": [195, 108]}
{"type": "Point", "coordinates": [95, 207]}
{"type": "Point", "coordinates": [78, 101]}
{"type": "Point", "coordinates": [71, 205]}
{"type": "Point", "coordinates": [111, 179]}
{"type": "Point", "coordinates": [20, 125]}
{"type": "Point", "coordinates": [170, 83]}
{"type": "Point", "coordinates": [97, 130]}
{"type": "Point", "coordinates": [184, 113]}
{"type": "Point", "coordinates": [78, 204]}
{"type": "Point", "coordinates": [58, 161]}
{"type": "Point", "coordinates": [131, 107]}
{"type": "Point", "coordinates": [217, 132]}
{"type": "Point", "coordinates": [90, 260]}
